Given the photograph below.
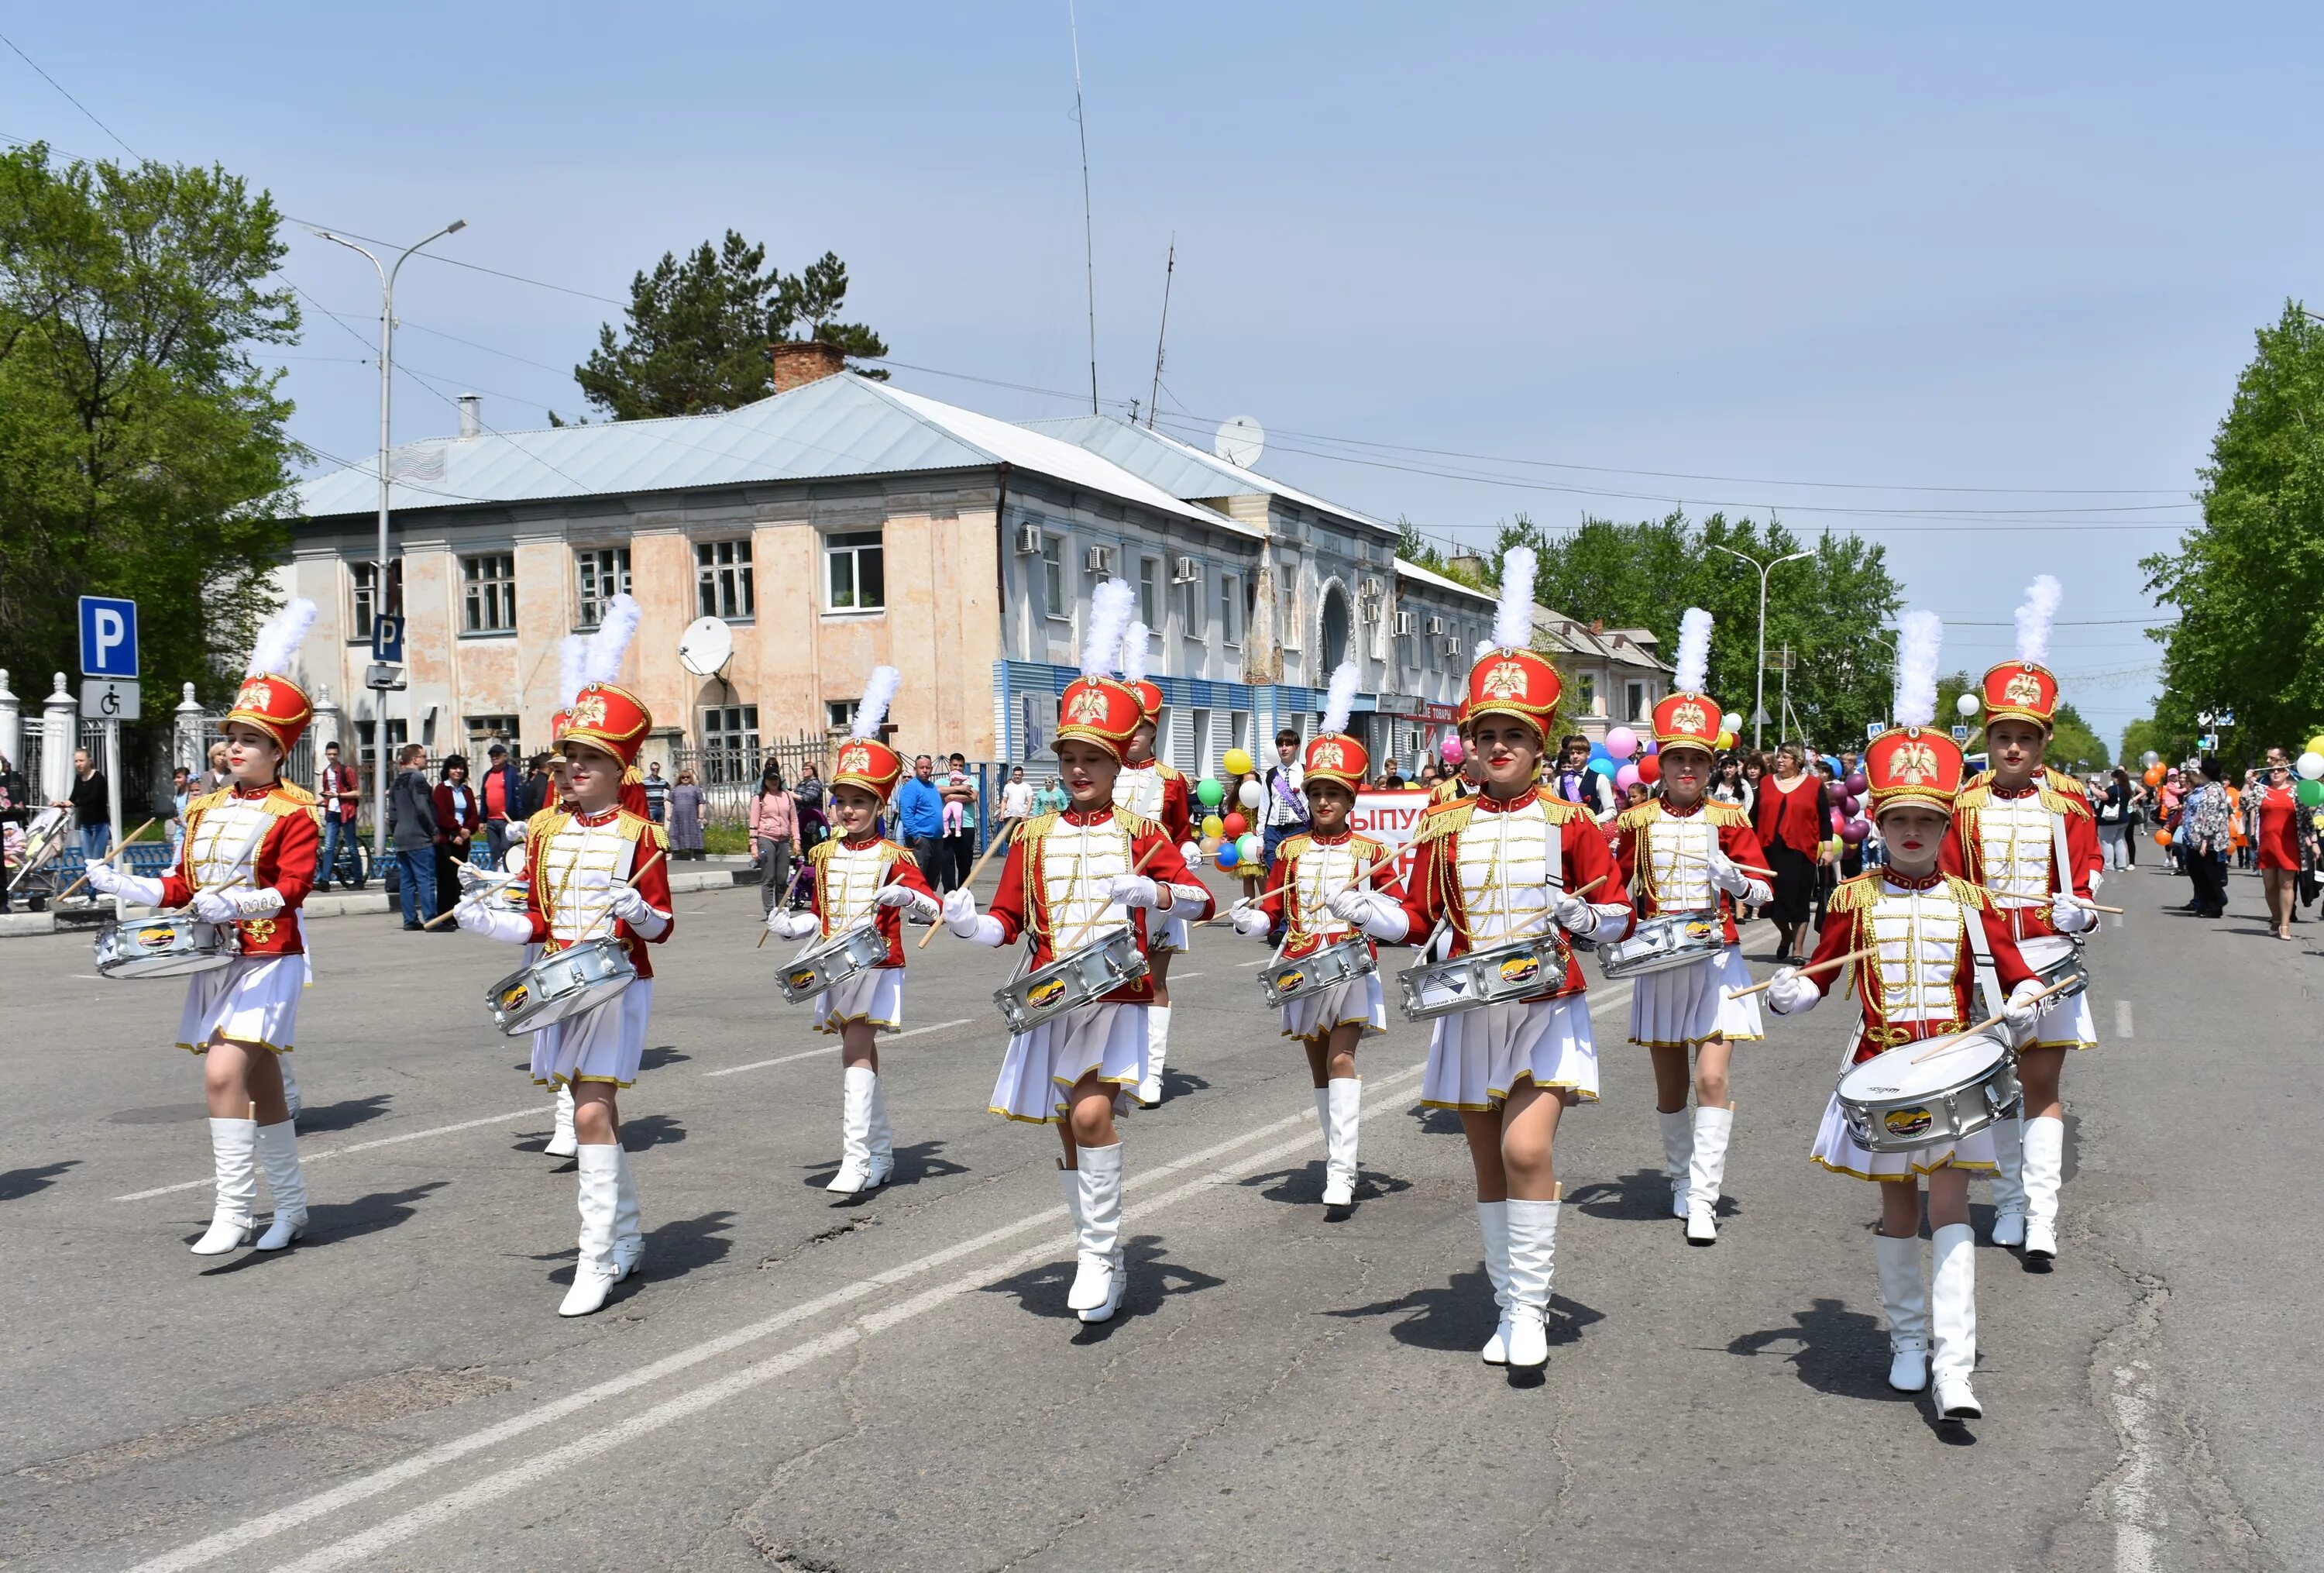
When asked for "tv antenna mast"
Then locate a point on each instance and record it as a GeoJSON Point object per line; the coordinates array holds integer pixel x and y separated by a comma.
{"type": "Point", "coordinates": [1154, 402]}
{"type": "Point", "coordinates": [1089, 242]}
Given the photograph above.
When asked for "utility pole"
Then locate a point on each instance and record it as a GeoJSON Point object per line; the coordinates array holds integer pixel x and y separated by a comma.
{"type": "Point", "coordinates": [1759, 695]}
{"type": "Point", "coordinates": [1089, 238]}
{"type": "Point", "coordinates": [1154, 402]}
{"type": "Point", "coordinates": [379, 607]}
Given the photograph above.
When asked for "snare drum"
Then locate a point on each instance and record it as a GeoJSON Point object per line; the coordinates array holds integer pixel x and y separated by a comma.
{"type": "Point", "coordinates": [1659, 944]}
{"type": "Point", "coordinates": [563, 985]}
{"type": "Point", "coordinates": [1088, 975]}
{"type": "Point", "coordinates": [1967, 1081]}
{"type": "Point", "coordinates": [1518, 969]}
{"type": "Point", "coordinates": [828, 962]}
{"type": "Point", "coordinates": [1285, 981]}
{"type": "Point", "coordinates": [2067, 969]}
{"type": "Point", "coordinates": [167, 945]}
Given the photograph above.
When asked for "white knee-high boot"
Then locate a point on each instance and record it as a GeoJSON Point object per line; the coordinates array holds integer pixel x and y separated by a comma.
{"type": "Point", "coordinates": [562, 1142]}
{"type": "Point", "coordinates": [1953, 1315]}
{"type": "Point", "coordinates": [2045, 1169]}
{"type": "Point", "coordinates": [593, 1270]}
{"type": "Point", "coordinates": [291, 1099]}
{"type": "Point", "coordinates": [1532, 1259]}
{"type": "Point", "coordinates": [1905, 1297]}
{"type": "Point", "coordinates": [1157, 1055]}
{"type": "Point", "coordinates": [1678, 1154]}
{"type": "Point", "coordinates": [855, 1130]}
{"type": "Point", "coordinates": [1493, 1224]}
{"type": "Point", "coordinates": [629, 1219]}
{"type": "Point", "coordinates": [1342, 1100]}
{"type": "Point", "coordinates": [278, 1151]}
{"type": "Point", "coordinates": [234, 1155]}
{"type": "Point", "coordinates": [2008, 1181]}
{"type": "Point", "coordinates": [1707, 1172]}
{"type": "Point", "coordinates": [879, 1140]}
{"type": "Point", "coordinates": [1096, 1292]}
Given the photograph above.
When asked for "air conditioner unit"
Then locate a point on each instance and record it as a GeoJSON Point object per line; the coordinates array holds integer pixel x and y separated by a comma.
{"type": "Point", "coordinates": [1406, 624]}
{"type": "Point", "coordinates": [1451, 644]}
{"type": "Point", "coordinates": [1435, 626]}
{"type": "Point", "coordinates": [1099, 560]}
{"type": "Point", "coordinates": [1185, 570]}
{"type": "Point", "coordinates": [1028, 539]}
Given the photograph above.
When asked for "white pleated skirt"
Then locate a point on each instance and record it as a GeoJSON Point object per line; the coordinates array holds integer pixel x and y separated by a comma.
{"type": "Point", "coordinates": [253, 1001]}
{"type": "Point", "coordinates": [1686, 1007]}
{"type": "Point", "coordinates": [1837, 1150]}
{"type": "Point", "coordinates": [1042, 1066]}
{"type": "Point", "coordinates": [1356, 999]}
{"type": "Point", "coordinates": [876, 997]}
{"type": "Point", "coordinates": [1172, 934]}
{"type": "Point", "coordinates": [606, 1042]}
{"type": "Point", "coordinates": [2065, 1023]}
{"type": "Point", "coordinates": [1477, 1055]}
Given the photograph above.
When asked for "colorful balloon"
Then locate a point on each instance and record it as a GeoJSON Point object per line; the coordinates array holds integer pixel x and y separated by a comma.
{"type": "Point", "coordinates": [2162, 837]}
{"type": "Point", "coordinates": [2316, 744]}
{"type": "Point", "coordinates": [1452, 750]}
{"type": "Point", "coordinates": [1601, 765]}
{"type": "Point", "coordinates": [1227, 854]}
{"type": "Point", "coordinates": [1854, 832]}
{"type": "Point", "coordinates": [2311, 765]}
{"type": "Point", "coordinates": [1233, 826]}
{"type": "Point", "coordinates": [2311, 793]}
{"type": "Point", "coordinates": [1855, 783]}
{"type": "Point", "coordinates": [1622, 743]}
{"type": "Point", "coordinates": [1626, 777]}
{"type": "Point", "coordinates": [1213, 827]}
{"type": "Point", "coordinates": [1849, 805]}
{"type": "Point", "coordinates": [1967, 705]}
{"type": "Point", "coordinates": [1732, 723]}
{"type": "Point", "coordinates": [1248, 849]}
{"type": "Point", "coordinates": [1727, 739]}
{"type": "Point", "coordinates": [1650, 769]}
{"type": "Point", "coordinates": [1236, 763]}
{"type": "Point", "coordinates": [1248, 794]}
{"type": "Point", "coordinates": [1209, 792]}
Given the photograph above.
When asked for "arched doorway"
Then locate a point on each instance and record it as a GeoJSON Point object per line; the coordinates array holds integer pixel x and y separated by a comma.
{"type": "Point", "coordinates": [1335, 634]}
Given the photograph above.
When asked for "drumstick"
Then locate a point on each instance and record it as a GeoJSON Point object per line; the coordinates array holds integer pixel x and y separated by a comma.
{"type": "Point", "coordinates": [1746, 867]}
{"type": "Point", "coordinates": [999, 841]}
{"type": "Point", "coordinates": [119, 847]}
{"type": "Point", "coordinates": [1091, 921]}
{"type": "Point", "coordinates": [1819, 966]}
{"type": "Point", "coordinates": [1990, 1023]}
{"type": "Point", "coordinates": [494, 887]}
{"type": "Point", "coordinates": [869, 917]}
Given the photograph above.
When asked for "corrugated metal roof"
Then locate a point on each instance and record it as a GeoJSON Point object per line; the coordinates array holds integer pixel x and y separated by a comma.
{"type": "Point", "coordinates": [1413, 570]}
{"type": "Point", "coordinates": [835, 427]}
{"type": "Point", "coordinates": [1181, 469]}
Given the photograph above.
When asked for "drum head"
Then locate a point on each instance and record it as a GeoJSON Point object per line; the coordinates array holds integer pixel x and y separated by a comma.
{"type": "Point", "coordinates": [1953, 1060]}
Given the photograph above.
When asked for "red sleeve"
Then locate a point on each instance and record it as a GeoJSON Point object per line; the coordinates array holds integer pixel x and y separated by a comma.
{"type": "Point", "coordinates": [1953, 849]}
{"type": "Point", "coordinates": [535, 836]}
{"type": "Point", "coordinates": [176, 891]}
{"type": "Point", "coordinates": [907, 872]}
{"type": "Point", "coordinates": [653, 884]}
{"type": "Point", "coordinates": [2082, 848]}
{"type": "Point", "coordinates": [1744, 849]}
{"type": "Point", "coordinates": [1010, 904]}
{"type": "Point", "coordinates": [1177, 809]}
{"type": "Point", "coordinates": [286, 859]}
{"type": "Point", "coordinates": [1835, 939]}
{"type": "Point", "coordinates": [1588, 861]}
{"type": "Point", "coordinates": [445, 817]}
{"type": "Point", "coordinates": [1164, 866]}
{"type": "Point", "coordinates": [1275, 900]}
{"type": "Point", "coordinates": [1625, 858]}
{"type": "Point", "coordinates": [1422, 904]}
{"type": "Point", "coordinates": [889, 921]}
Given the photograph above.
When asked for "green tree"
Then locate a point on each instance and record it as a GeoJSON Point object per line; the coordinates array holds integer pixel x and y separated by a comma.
{"type": "Point", "coordinates": [2148, 736]}
{"type": "Point", "coordinates": [698, 329]}
{"type": "Point", "coordinates": [143, 452]}
{"type": "Point", "coordinates": [2248, 581]}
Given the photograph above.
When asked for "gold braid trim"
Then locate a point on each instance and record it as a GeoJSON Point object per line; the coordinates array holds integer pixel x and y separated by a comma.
{"type": "Point", "coordinates": [1638, 819]}
{"type": "Point", "coordinates": [1294, 846]}
{"type": "Point", "coordinates": [1854, 895]}
{"type": "Point", "coordinates": [1449, 817]}
{"type": "Point", "coordinates": [1972, 897]}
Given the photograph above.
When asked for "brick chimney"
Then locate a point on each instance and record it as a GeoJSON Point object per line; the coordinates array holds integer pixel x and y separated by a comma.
{"type": "Point", "coordinates": [797, 364]}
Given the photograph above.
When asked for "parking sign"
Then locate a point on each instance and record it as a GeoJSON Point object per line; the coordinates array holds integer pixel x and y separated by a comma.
{"type": "Point", "coordinates": [109, 636]}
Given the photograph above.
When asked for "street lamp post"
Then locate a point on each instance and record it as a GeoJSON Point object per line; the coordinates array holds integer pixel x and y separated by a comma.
{"type": "Point", "coordinates": [379, 567]}
{"type": "Point", "coordinates": [1759, 695]}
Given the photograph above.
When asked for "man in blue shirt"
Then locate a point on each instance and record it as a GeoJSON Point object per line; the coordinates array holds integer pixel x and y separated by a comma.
{"type": "Point", "coordinates": [920, 818]}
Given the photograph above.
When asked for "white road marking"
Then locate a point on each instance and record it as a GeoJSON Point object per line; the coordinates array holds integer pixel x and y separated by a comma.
{"type": "Point", "coordinates": [1184, 976]}
{"type": "Point", "coordinates": [1262, 961]}
{"type": "Point", "coordinates": [530, 1111]}
{"type": "Point", "coordinates": [2121, 1018]}
{"type": "Point", "coordinates": [832, 1047]}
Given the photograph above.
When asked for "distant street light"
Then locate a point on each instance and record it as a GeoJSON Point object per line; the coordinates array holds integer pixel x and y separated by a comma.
{"type": "Point", "coordinates": [1760, 700]}
{"type": "Point", "coordinates": [379, 568]}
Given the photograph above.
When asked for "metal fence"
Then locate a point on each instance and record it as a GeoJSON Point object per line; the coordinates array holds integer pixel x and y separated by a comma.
{"type": "Point", "coordinates": [729, 777]}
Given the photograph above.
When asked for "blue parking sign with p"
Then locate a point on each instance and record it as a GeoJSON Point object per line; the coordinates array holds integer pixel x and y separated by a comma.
{"type": "Point", "coordinates": [109, 636]}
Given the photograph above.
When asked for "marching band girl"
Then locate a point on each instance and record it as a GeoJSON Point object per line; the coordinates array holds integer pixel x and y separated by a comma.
{"type": "Point", "coordinates": [1309, 869]}
{"type": "Point", "coordinates": [1942, 957]}
{"type": "Point", "coordinates": [2027, 834]}
{"type": "Point", "coordinates": [860, 876]}
{"type": "Point", "coordinates": [1155, 791]}
{"type": "Point", "coordinates": [248, 860]}
{"type": "Point", "coordinates": [1072, 880]}
{"type": "Point", "coordinates": [593, 873]}
{"type": "Point", "coordinates": [1685, 852]}
{"type": "Point", "coordinates": [1493, 868]}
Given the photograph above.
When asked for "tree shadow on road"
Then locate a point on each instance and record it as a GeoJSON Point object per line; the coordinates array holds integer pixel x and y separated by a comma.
{"type": "Point", "coordinates": [1459, 1316]}
{"type": "Point", "coordinates": [15, 1184]}
{"type": "Point", "coordinates": [659, 1055]}
{"type": "Point", "coordinates": [652, 1131]}
{"type": "Point", "coordinates": [331, 1223]}
{"type": "Point", "coordinates": [317, 1119]}
{"type": "Point", "coordinates": [1152, 1279]}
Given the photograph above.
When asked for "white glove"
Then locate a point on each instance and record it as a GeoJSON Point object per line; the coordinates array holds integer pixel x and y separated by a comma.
{"type": "Point", "coordinates": [2021, 1012]}
{"type": "Point", "coordinates": [470, 876]}
{"type": "Point", "coordinates": [2068, 916]}
{"type": "Point", "coordinates": [108, 880]}
{"type": "Point", "coordinates": [1191, 854]}
{"type": "Point", "coordinates": [960, 913]}
{"type": "Point", "coordinates": [1792, 992]}
{"type": "Point", "coordinates": [214, 906]}
{"type": "Point", "coordinates": [1132, 889]}
{"type": "Point", "coordinates": [508, 928]}
{"type": "Point", "coordinates": [789, 925]}
{"type": "Point", "coordinates": [1728, 877]}
{"type": "Point", "coordinates": [1251, 922]}
{"type": "Point", "coordinates": [894, 895]}
{"type": "Point", "coordinates": [625, 903]}
{"type": "Point", "coordinates": [1374, 913]}
{"type": "Point", "coordinates": [1572, 914]}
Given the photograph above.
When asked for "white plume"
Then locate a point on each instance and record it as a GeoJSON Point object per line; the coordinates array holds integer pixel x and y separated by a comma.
{"type": "Point", "coordinates": [1693, 652]}
{"type": "Point", "coordinates": [1111, 605]}
{"type": "Point", "coordinates": [879, 693]}
{"type": "Point", "coordinates": [611, 642]}
{"type": "Point", "coordinates": [1513, 623]}
{"type": "Point", "coordinates": [1341, 699]}
{"type": "Point", "coordinates": [572, 652]}
{"type": "Point", "coordinates": [1137, 648]}
{"type": "Point", "coordinates": [2034, 618]}
{"type": "Point", "coordinates": [279, 640]}
{"type": "Point", "coordinates": [1920, 635]}
{"type": "Point", "coordinates": [1485, 647]}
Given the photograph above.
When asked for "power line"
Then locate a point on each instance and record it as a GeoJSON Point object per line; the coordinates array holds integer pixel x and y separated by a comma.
{"type": "Point", "coordinates": [75, 103]}
{"type": "Point", "coordinates": [453, 261]}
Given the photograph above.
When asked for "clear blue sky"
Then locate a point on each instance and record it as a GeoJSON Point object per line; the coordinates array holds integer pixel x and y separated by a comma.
{"type": "Point", "coordinates": [2008, 248]}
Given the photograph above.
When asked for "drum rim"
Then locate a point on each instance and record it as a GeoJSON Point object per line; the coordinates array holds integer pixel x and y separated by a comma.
{"type": "Point", "coordinates": [1935, 1090]}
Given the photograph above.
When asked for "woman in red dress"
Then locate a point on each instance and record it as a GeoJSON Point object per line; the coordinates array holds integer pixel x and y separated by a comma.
{"type": "Point", "coordinates": [1790, 818]}
{"type": "Point", "coordinates": [2279, 847]}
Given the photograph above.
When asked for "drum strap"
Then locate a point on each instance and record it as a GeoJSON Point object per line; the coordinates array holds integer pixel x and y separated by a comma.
{"type": "Point", "coordinates": [1988, 980]}
{"type": "Point", "coordinates": [2064, 871]}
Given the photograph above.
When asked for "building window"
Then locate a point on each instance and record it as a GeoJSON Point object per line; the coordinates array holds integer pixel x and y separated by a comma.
{"type": "Point", "coordinates": [722, 578]}
{"type": "Point", "coordinates": [1199, 730]}
{"type": "Point", "coordinates": [1586, 692]}
{"type": "Point", "coordinates": [1149, 592]}
{"type": "Point", "coordinates": [483, 732]}
{"type": "Point", "coordinates": [1053, 576]}
{"type": "Point", "coordinates": [365, 577]}
{"type": "Point", "coordinates": [1637, 696]}
{"type": "Point", "coordinates": [1230, 608]}
{"type": "Point", "coordinates": [1191, 611]}
{"type": "Point", "coordinates": [488, 593]}
{"type": "Point", "coordinates": [730, 729]}
{"type": "Point", "coordinates": [367, 753]}
{"type": "Point", "coordinates": [855, 570]}
{"type": "Point", "coordinates": [839, 715]}
{"type": "Point", "coordinates": [602, 573]}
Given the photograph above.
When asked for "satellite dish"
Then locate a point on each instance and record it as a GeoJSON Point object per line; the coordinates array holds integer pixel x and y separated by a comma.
{"type": "Point", "coordinates": [705, 647]}
{"type": "Point", "coordinates": [1241, 441]}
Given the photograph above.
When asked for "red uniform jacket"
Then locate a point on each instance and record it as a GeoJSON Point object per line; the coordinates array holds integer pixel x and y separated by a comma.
{"type": "Point", "coordinates": [653, 884]}
{"type": "Point", "coordinates": [1795, 818]}
{"type": "Point", "coordinates": [1848, 926]}
{"type": "Point", "coordinates": [285, 861]}
{"type": "Point", "coordinates": [1281, 899]}
{"type": "Point", "coordinates": [898, 866]}
{"type": "Point", "coordinates": [1022, 903]}
{"type": "Point", "coordinates": [1736, 839]}
{"type": "Point", "coordinates": [1432, 891]}
{"type": "Point", "coordinates": [1962, 851]}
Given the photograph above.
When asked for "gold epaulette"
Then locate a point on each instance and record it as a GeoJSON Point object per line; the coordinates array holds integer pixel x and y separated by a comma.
{"type": "Point", "coordinates": [1136, 824]}
{"type": "Point", "coordinates": [2069, 802]}
{"type": "Point", "coordinates": [209, 801]}
{"type": "Point", "coordinates": [1727, 816]}
{"type": "Point", "coordinates": [1558, 811]}
{"type": "Point", "coordinates": [1974, 795]}
{"type": "Point", "coordinates": [1854, 895]}
{"type": "Point", "coordinates": [2071, 786]}
{"type": "Point", "coordinates": [1369, 847]}
{"type": "Point", "coordinates": [892, 853]}
{"type": "Point", "coordinates": [1969, 896]}
{"type": "Point", "coordinates": [1294, 846]}
{"type": "Point", "coordinates": [297, 796]}
{"type": "Point", "coordinates": [1445, 819]}
{"type": "Point", "coordinates": [1167, 772]}
{"type": "Point", "coordinates": [1638, 819]}
{"type": "Point", "coordinates": [544, 826]}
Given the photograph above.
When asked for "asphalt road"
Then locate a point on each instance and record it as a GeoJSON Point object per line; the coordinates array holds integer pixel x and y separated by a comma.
{"type": "Point", "coordinates": [805, 1383]}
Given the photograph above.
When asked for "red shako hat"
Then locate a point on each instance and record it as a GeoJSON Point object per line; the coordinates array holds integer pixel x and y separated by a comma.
{"type": "Point", "coordinates": [1689, 717]}
{"type": "Point", "coordinates": [1331, 755]}
{"type": "Point", "coordinates": [2026, 689]}
{"type": "Point", "coordinates": [269, 699]}
{"type": "Point", "coordinates": [863, 760]}
{"type": "Point", "coordinates": [1098, 707]}
{"type": "Point", "coordinates": [1912, 762]}
{"type": "Point", "coordinates": [1509, 678]}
